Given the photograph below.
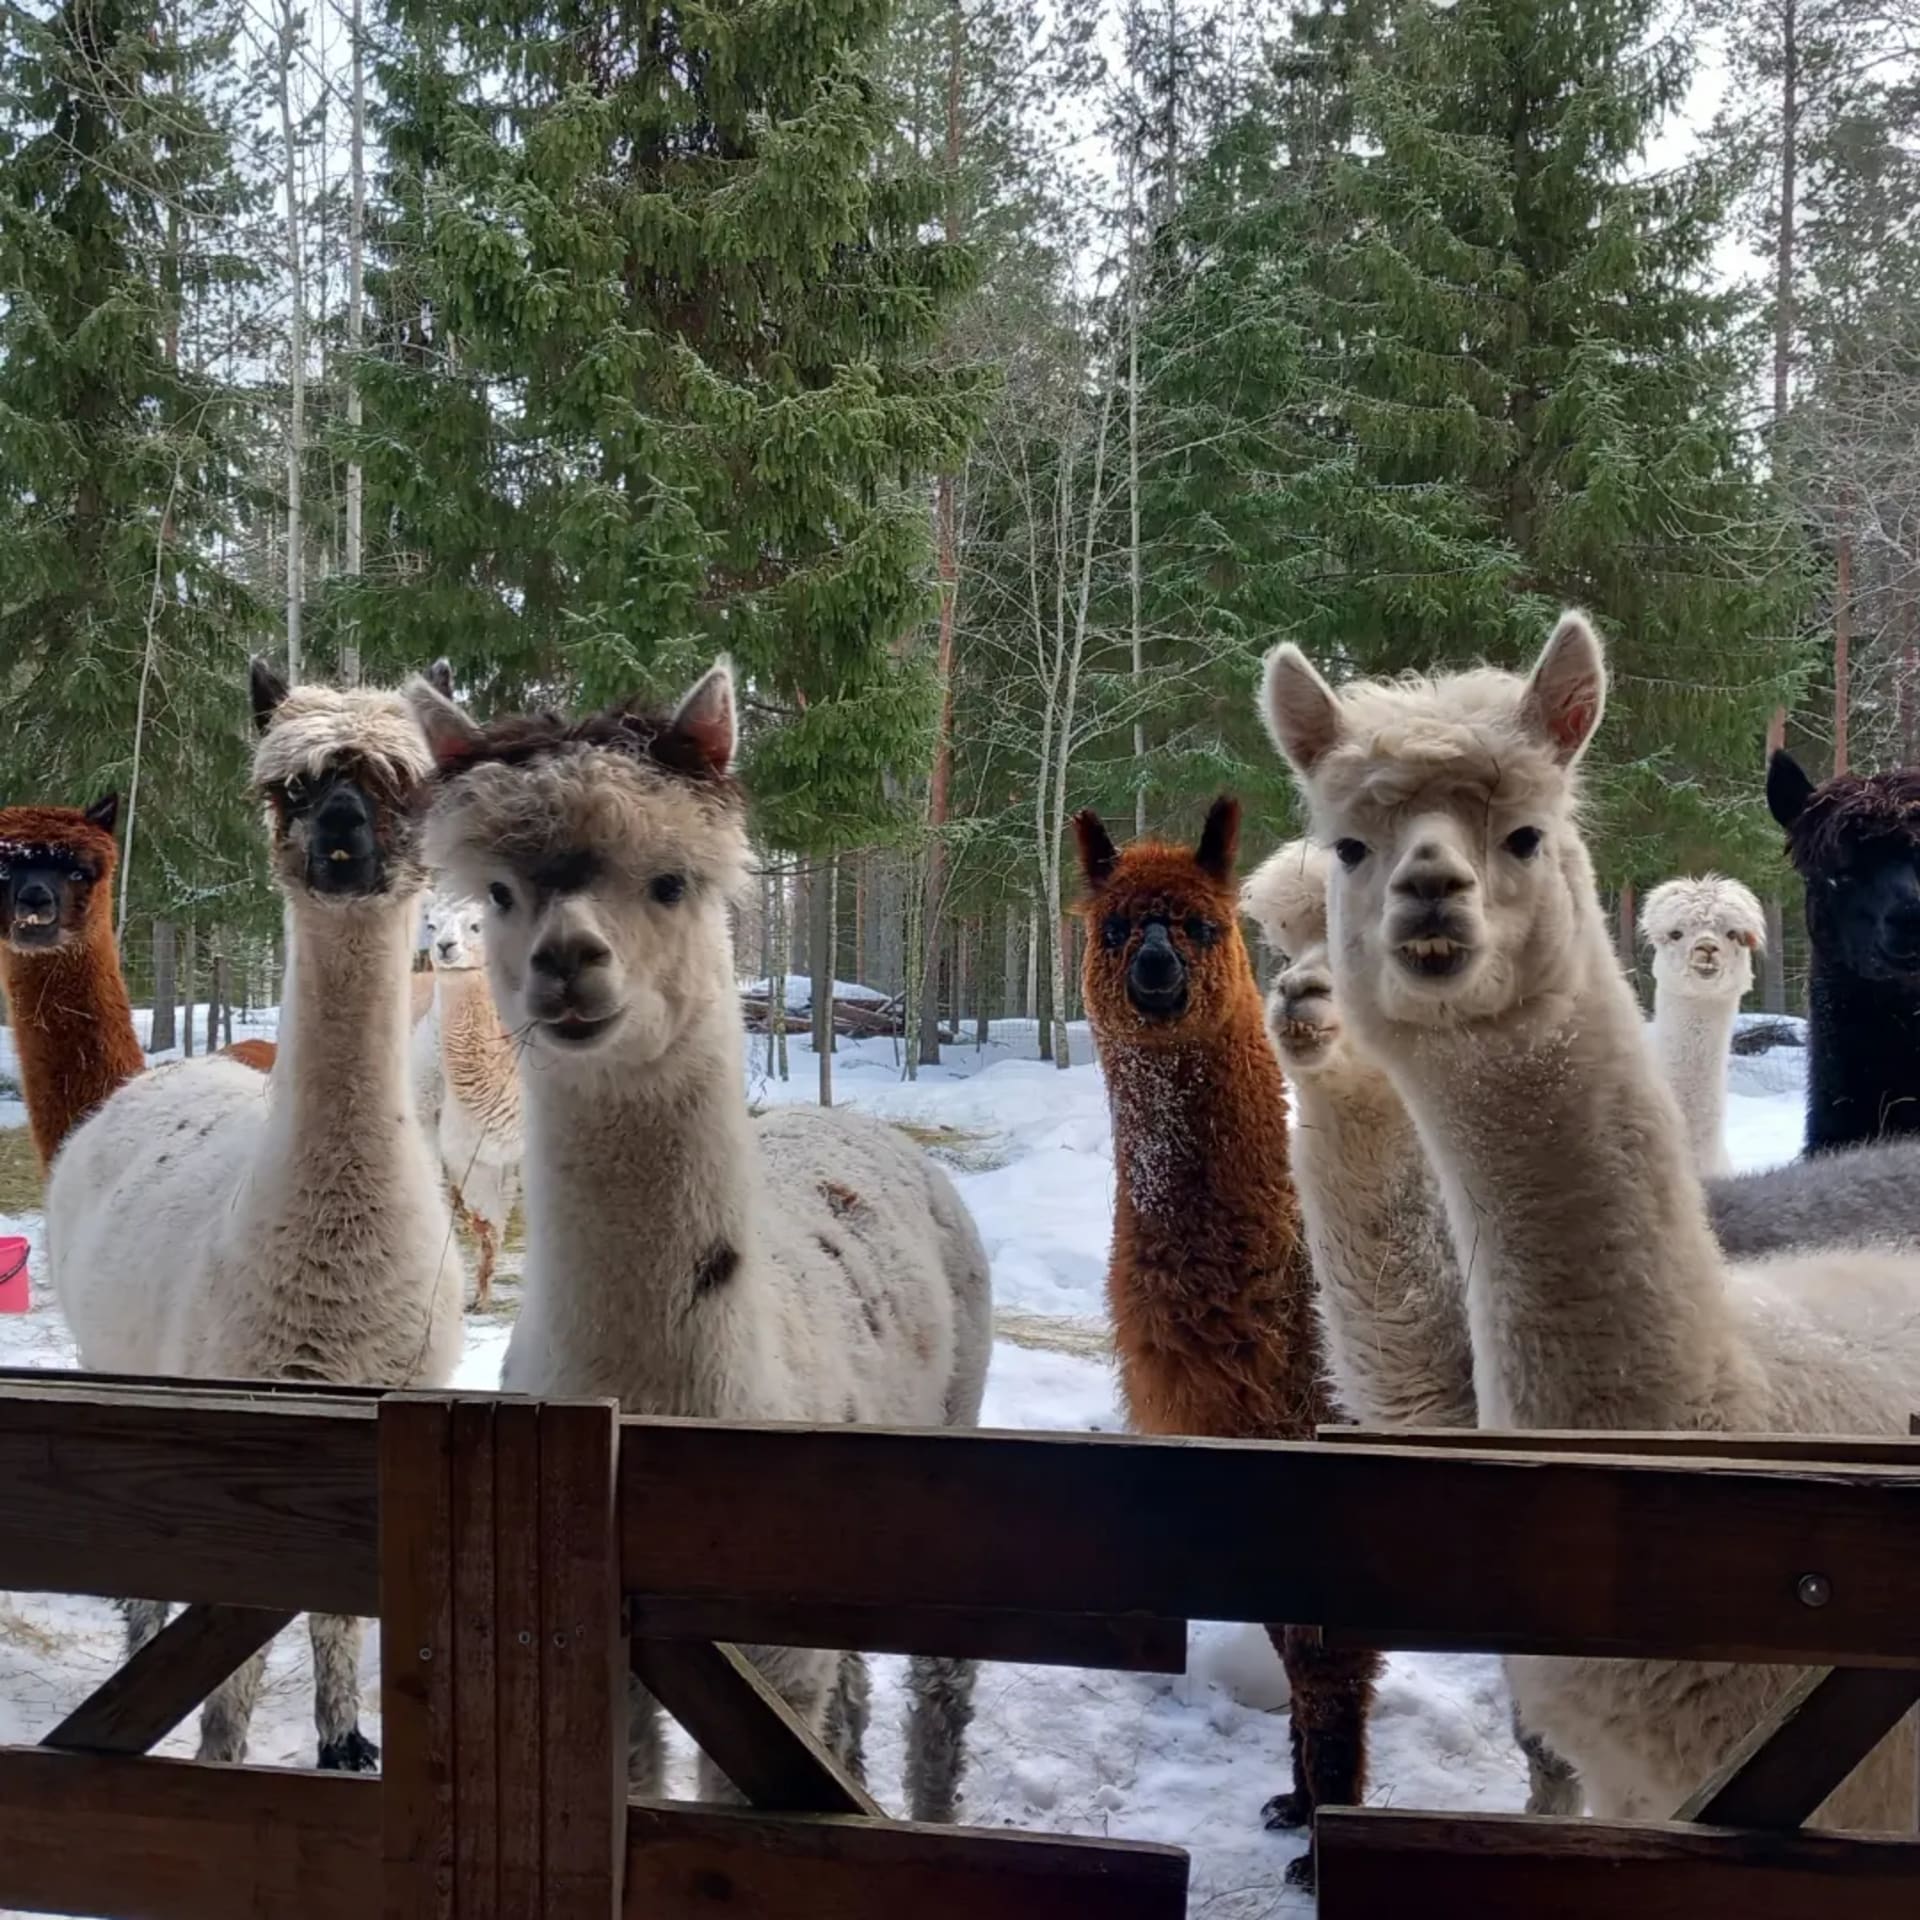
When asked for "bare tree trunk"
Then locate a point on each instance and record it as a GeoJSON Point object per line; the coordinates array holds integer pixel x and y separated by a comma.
{"type": "Point", "coordinates": [982, 1016]}
{"type": "Point", "coordinates": [220, 1011]}
{"type": "Point", "coordinates": [1842, 649]}
{"type": "Point", "coordinates": [189, 954]}
{"type": "Point", "coordinates": [356, 321]}
{"type": "Point", "coordinates": [1044, 975]}
{"type": "Point", "coordinates": [1030, 999]}
{"type": "Point", "coordinates": [782, 962]}
{"type": "Point", "coordinates": [296, 346]}
{"type": "Point", "coordinates": [1773, 963]}
{"type": "Point", "coordinates": [820, 945]}
{"type": "Point", "coordinates": [1133, 514]}
{"type": "Point", "coordinates": [862, 971]}
{"type": "Point", "coordinates": [166, 983]}
{"type": "Point", "coordinates": [1783, 247]}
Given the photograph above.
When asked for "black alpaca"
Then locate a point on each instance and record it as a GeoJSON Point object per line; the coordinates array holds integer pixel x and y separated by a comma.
{"type": "Point", "coordinates": [1855, 841]}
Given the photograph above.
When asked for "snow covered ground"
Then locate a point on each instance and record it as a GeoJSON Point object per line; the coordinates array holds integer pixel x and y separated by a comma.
{"type": "Point", "coordinates": [1188, 1760]}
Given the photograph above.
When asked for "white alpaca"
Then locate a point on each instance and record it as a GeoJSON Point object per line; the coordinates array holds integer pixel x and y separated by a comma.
{"type": "Point", "coordinates": [216, 1222]}
{"type": "Point", "coordinates": [467, 1085]}
{"type": "Point", "coordinates": [682, 1256]}
{"type": "Point", "coordinates": [1704, 934]}
{"type": "Point", "coordinates": [1470, 958]}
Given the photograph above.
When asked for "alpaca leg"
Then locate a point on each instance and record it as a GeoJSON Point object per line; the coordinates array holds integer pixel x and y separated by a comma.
{"type": "Point", "coordinates": [1289, 1811]}
{"type": "Point", "coordinates": [336, 1694]}
{"type": "Point", "coordinates": [646, 1745]}
{"type": "Point", "coordinates": [228, 1714]}
{"type": "Point", "coordinates": [1553, 1787]}
{"type": "Point", "coordinates": [489, 1245]}
{"type": "Point", "coordinates": [940, 1710]}
{"type": "Point", "coordinates": [849, 1709]}
{"type": "Point", "coordinates": [144, 1619]}
{"type": "Point", "coordinates": [1332, 1696]}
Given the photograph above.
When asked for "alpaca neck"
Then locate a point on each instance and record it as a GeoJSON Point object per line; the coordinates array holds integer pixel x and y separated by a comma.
{"type": "Point", "coordinates": [73, 1029]}
{"type": "Point", "coordinates": [1691, 1035]}
{"type": "Point", "coordinates": [1863, 1065]}
{"type": "Point", "coordinates": [1595, 1292]}
{"type": "Point", "coordinates": [643, 1266]}
{"type": "Point", "coordinates": [476, 1055]}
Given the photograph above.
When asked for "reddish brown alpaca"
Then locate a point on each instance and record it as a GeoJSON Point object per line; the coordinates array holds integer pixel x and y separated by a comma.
{"type": "Point", "coordinates": [1209, 1282]}
{"type": "Point", "coordinates": [60, 966]}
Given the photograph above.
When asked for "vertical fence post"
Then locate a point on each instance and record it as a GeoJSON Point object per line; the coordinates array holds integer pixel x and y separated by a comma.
{"type": "Point", "coordinates": [503, 1660]}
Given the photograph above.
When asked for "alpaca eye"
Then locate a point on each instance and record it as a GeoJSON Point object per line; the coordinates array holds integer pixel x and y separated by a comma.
{"type": "Point", "coordinates": [1350, 852]}
{"type": "Point", "coordinates": [501, 897]}
{"type": "Point", "coordinates": [1674, 935]}
{"type": "Point", "coordinates": [669, 888]}
{"type": "Point", "coordinates": [1114, 930]}
{"type": "Point", "coordinates": [1524, 842]}
{"type": "Point", "coordinates": [77, 878]}
{"type": "Point", "coordinates": [1202, 933]}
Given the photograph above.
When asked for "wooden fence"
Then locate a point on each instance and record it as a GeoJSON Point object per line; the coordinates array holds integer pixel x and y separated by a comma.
{"type": "Point", "coordinates": [523, 1557]}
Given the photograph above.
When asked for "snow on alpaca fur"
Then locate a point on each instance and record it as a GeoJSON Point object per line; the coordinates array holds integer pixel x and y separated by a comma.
{"type": "Point", "coordinates": [681, 1255]}
{"type": "Point", "coordinates": [1703, 934]}
{"type": "Point", "coordinates": [1470, 958]}
{"type": "Point", "coordinates": [212, 1221]}
{"type": "Point", "coordinates": [466, 1083]}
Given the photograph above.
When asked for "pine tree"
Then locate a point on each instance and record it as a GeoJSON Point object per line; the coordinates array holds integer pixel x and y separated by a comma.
{"type": "Point", "coordinates": [651, 376]}
{"type": "Point", "coordinates": [123, 638]}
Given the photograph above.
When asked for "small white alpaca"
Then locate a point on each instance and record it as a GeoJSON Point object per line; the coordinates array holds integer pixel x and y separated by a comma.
{"type": "Point", "coordinates": [1470, 959]}
{"type": "Point", "coordinates": [682, 1256]}
{"type": "Point", "coordinates": [215, 1222]}
{"type": "Point", "coordinates": [467, 1085]}
{"type": "Point", "coordinates": [1703, 933]}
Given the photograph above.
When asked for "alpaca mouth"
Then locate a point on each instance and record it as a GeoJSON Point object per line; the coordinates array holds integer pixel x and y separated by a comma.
{"type": "Point", "coordinates": [577, 1030]}
{"type": "Point", "coordinates": [1434, 957]}
{"type": "Point", "coordinates": [34, 930]}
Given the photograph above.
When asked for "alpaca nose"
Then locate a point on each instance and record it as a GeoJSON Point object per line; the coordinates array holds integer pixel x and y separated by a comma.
{"type": "Point", "coordinates": [343, 824]}
{"type": "Point", "coordinates": [1157, 975]}
{"type": "Point", "coordinates": [565, 959]}
{"type": "Point", "coordinates": [1431, 873]}
{"type": "Point", "coordinates": [33, 900]}
{"type": "Point", "coordinates": [446, 949]}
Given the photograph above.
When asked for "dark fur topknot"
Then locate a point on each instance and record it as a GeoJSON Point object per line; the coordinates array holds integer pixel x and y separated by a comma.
{"type": "Point", "coordinates": [1851, 811]}
{"type": "Point", "coordinates": [645, 735]}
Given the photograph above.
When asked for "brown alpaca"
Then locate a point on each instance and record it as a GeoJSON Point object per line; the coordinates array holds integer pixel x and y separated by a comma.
{"type": "Point", "coordinates": [1209, 1281]}
{"type": "Point", "coordinates": [60, 965]}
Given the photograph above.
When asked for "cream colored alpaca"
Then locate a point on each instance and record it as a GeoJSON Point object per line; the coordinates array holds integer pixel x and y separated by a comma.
{"type": "Point", "coordinates": [216, 1222]}
{"type": "Point", "coordinates": [1470, 958]}
{"type": "Point", "coordinates": [1703, 934]}
{"type": "Point", "coordinates": [467, 1084]}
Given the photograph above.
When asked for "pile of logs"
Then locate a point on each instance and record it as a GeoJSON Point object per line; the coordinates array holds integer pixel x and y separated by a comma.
{"type": "Point", "coordinates": [852, 1019]}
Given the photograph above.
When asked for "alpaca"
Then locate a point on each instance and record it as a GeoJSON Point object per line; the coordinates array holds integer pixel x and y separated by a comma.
{"type": "Point", "coordinates": [682, 1256]}
{"type": "Point", "coordinates": [466, 1084]}
{"type": "Point", "coordinates": [1853, 841]}
{"type": "Point", "coordinates": [211, 1221]}
{"type": "Point", "coordinates": [60, 965]}
{"type": "Point", "coordinates": [1470, 958]}
{"type": "Point", "coordinates": [1704, 934]}
{"type": "Point", "coordinates": [1211, 1296]}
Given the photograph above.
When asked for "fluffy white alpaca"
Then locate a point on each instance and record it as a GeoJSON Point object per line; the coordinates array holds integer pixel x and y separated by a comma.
{"type": "Point", "coordinates": [1470, 958]}
{"type": "Point", "coordinates": [217, 1222]}
{"type": "Point", "coordinates": [1703, 933]}
{"type": "Point", "coordinates": [685, 1257]}
{"type": "Point", "coordinates": [466, 1083]}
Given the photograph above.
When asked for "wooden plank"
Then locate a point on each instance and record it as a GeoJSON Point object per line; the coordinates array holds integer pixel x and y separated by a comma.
{"type": "Point", "coordinates": [1827, 1724]}
{"type": "Point", "coordinates": [1120, 1643]}
{"type": "Point", "coordinates": [1404, 1547]}
{"type": "Point", "coordinates": [416, 1655]}
{"type": "Point", "coordinates": [111, 1835]}
{"type": "Point", "coordinates": [169, 1677]}
{"type": "Point", "coordinates": [475, 1757]}
{"type": "Point", "coordinates": [42, 1379]}
{"type": "Point", "coordinates": [271, 1504]}
{"type": "Point", "coordinates": [689, 1863]}
{"type": "Point", "coordinates": [1861, 1449]}
{"type": "Point", "coordinates": [583, 1665]}
{"type": "Point", "coordinates": [746, 1729]}
{"type": "Point", "coordinates": [1374, 1863]}
{"type": "Point", "coordinates": [519, 1634]}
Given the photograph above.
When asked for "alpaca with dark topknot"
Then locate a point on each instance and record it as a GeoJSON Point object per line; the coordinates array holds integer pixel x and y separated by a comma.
{"type": "Point", "coordinates": [1855, 842]}
{"type": "Point", "coordinates": [1209, 1281]}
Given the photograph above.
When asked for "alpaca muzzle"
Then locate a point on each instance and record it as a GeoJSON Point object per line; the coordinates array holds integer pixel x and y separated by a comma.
{"type": "Point", "coordinates": [1157, 976]}
{"type": "Point", "coordinates": [343, 846]}
{"type": "Point", "coordinates": [34, 920]}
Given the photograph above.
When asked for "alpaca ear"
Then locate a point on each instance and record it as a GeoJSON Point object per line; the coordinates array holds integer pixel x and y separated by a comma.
{"type": "Point", "coordinates": [1568, 689]}
{"type": "Point", "coordinates": [1098, 855]}
{"type": "Point", "coordinates": [451, 734]}
{"type": "Point", "coordinates": [439, 677]}
{"type": "Point", "coordinates": [104, 812]}
{"type": "Point", "coordinates": [1219, 838]}
{"type": "Point", "coordinates": [1301, 711]}
{"type": "Point", "coordinates": [705, 718]}
{"type": "Point", "coordinates": [1788, 788]}
{"type": "Point", "coordinates": [267, 690]}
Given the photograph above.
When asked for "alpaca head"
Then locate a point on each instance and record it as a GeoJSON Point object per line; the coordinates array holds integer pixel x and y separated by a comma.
{"type": "Point", "coordinates": [342, 776]}
{"type": "Point", "coordinates": [1459, 885]}
{"type": "Point", "coordinates": [456, 939]}
{"type": "Point", "coordinates": [56, 866]}
{"type": "Point", "coordinates": [1164, 954]}
{"type": "Point", "coordinates": [1703, 935]}
{"type": "Point", "coordinates": [608, 850]}
{"type": "Point", "coordinates": [1855, 842]}
{"type": "Point", "coordinates": [1285, 896]}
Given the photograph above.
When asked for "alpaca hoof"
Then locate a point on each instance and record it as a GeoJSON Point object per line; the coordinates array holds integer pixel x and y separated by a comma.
{"type": "Point", "coordinates": [352, 1753]}
{"type": "Point", "coordinates": [1300, 1873]}
{"type": "Point", "coordinates": [1287, 1812]}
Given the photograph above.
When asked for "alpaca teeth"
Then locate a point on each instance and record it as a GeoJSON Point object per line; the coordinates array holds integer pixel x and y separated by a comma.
{"type": "Point", "coordinates": [340, 854]}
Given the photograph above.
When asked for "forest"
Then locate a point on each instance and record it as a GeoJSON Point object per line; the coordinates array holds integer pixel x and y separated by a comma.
{"type": "Point", "coordinates": [994, 380]}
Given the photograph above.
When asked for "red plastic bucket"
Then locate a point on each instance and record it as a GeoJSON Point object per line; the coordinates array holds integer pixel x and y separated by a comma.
{"type": "Point", "coordinates": [13, 1274]}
